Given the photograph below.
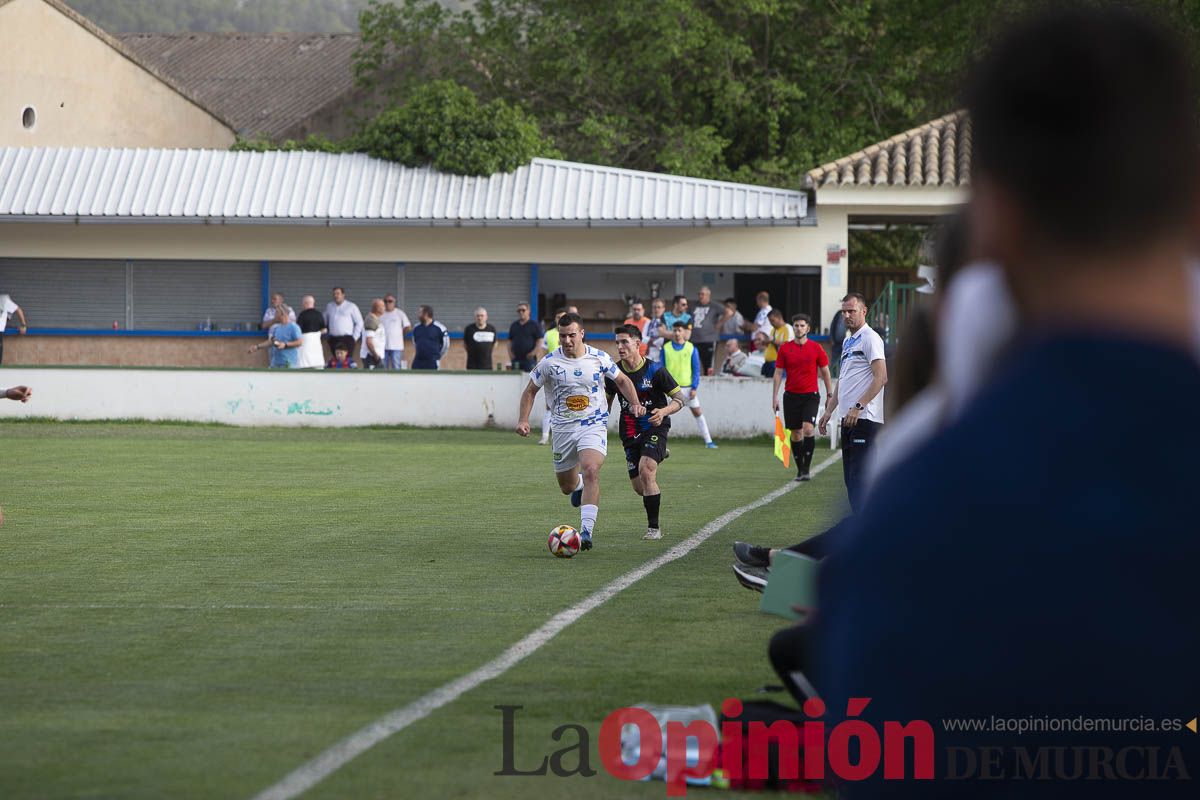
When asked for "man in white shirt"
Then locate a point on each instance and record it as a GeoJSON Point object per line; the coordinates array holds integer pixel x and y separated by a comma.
{"type": "Point", "coordinates": [344, 321]}
{"type": "Point", "coordinates": [573, 377]}
{"type": "Point", "coordinates": [395, 326]}
{"type": "Point", "coordinates": [374, 341]}
{"type": "Point", "coordinates": [761, 324]}
{"type": "Point", "coordinates": [858, 394]}
{"type": "Point", "coordinates": [7, 306]}
{"type": "Point", "coordinates": [268, 317]}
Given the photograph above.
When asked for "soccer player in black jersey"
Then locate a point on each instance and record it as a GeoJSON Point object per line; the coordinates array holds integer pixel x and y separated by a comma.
{"type": "Point", "coordinates": [644, 438]}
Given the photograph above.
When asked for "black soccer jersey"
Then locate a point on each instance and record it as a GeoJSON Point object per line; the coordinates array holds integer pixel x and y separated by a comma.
{"type": "Point", "coordinates": [655, 388]}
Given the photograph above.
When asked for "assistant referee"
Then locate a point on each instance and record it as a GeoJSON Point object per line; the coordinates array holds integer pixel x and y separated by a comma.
{"type": "Point", "coordinates": [802, 360]}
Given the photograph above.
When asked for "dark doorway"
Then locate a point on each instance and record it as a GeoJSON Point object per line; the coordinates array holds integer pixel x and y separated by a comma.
{"type": "Point", "coordinates": [793, 294]}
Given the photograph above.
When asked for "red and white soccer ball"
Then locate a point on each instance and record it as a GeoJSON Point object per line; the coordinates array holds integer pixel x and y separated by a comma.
{"type": "Point", "coordinates": [564, 541]}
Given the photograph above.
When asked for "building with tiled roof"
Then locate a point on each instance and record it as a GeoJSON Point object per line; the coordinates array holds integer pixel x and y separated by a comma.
{"type": "Point", "coordinates": [937, 153]}
{"type": "Point", "coordinates": [65, 82]}
{"type": "Point", "coordinates": [269, 85]}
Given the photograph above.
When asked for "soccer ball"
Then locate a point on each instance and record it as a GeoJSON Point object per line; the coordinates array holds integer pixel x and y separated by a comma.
{"type": "Point", "coordinates": [564, 541]}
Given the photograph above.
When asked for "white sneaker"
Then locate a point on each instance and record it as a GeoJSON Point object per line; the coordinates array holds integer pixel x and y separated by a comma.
{"type": "Point", "coordinates": [653, 533]}
{"type": "Point", "coordinates": [544, 440]}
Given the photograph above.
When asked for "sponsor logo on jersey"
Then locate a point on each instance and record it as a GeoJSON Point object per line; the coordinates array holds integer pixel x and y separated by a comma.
{"type": "Point", "coordinates": [577, 402]}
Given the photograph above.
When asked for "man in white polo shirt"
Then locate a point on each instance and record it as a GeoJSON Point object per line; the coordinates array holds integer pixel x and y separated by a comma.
{"type": "Point", "coordinates": [858, 395]}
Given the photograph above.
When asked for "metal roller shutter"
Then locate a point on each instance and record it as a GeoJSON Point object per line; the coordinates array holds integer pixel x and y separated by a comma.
{"type": "Point", "coordinates": [454, 291]}
{"type": "Point", "coordinates": [362, 282]}
{"type": "Point", "coordinates": [66, 294]}
{"type": "Point", "coordinates": [181, 295]}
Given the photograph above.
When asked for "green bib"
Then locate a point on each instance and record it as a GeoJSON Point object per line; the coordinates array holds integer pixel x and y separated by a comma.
{"type": "Point", "coordinates": [679, 362]}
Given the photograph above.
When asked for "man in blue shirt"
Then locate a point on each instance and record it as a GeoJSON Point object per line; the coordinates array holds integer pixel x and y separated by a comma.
{"type": "Point", "coordinates": [1017, 566]}
{"type": "Point", "coordinates": [431, 340]}
{"type": "Point", "coordinates": [678, 313]}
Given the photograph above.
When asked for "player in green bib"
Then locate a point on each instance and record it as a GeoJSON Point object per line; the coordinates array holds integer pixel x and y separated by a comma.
{"type": "Point", "coordinates": [682, 360]}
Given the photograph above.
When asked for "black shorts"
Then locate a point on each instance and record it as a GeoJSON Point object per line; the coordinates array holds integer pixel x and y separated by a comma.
{"type": "Point", "coordinates": [799, 409]}
{"type": "Point", "coordinates": [651, 444]}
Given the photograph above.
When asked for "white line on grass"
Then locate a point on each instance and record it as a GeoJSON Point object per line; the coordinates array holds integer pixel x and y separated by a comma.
{"type": "Point", "coordinates": [311, 773]}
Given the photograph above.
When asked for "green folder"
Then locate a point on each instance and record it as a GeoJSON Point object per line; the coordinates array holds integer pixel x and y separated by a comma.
{"type": "Point", "coordinates": [793, 581]}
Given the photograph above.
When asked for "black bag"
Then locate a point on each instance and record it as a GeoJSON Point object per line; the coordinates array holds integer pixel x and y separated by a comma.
{"type": "Point", "coordinates": [766, 712]}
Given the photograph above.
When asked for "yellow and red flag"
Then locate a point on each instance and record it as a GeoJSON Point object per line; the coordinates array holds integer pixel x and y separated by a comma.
{"type": "Point", "coordinates": [783, 445]}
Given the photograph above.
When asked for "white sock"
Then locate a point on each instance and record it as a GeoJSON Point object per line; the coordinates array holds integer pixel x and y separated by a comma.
{"type": "Point", "coordinates": [546, 424]}
{"type": "Point", "coordinates": [587, 516]}
{"type": "Point", "coordinates": [702, 424]}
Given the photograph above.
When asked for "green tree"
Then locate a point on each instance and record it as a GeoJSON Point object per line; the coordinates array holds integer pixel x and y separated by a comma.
{"type": "Point", "coordinates": [752, 90]}
{"type": "Point", "coordinates": [445, 125]}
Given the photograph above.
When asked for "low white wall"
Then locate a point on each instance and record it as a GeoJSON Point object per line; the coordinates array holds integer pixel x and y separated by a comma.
{"type": "Point", "coordinates": [734, 408]}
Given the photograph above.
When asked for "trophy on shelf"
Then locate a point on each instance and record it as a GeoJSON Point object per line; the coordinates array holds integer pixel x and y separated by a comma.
{"type": "Point", "coordinates": [655, 289]}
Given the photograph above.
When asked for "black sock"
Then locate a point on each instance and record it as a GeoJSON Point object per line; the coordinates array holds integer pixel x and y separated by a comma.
{"type": "Point", "coordinates": [652, 502]}
{"type": "Point", "coordinates": [810, 444]}
{"type": "Point", "coordinates": [798, 456]}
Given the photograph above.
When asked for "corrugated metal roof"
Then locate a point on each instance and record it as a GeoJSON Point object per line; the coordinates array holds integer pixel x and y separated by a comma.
{"type": "Point", "coordinates": [108, 185]}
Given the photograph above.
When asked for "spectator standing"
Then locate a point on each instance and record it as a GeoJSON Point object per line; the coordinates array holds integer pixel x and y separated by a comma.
{"type": "Point", "coordinates": [7, 307]}
{"type": "Point", "coordinates": [479, 338]}
{"type": "Point", "coordinates": [761, 324]}
{"type": "Point", "coordinates": [396, 326]}
{"type": "Point", "coordinates": [312, 325]}
{"type": "Point", "coordinates": [283, 339]}
{"type": "Point", "coordinates": [858, 396]}
{"type": "Point", "coordinates": [780, 332]}
{"type": "Point", "coordinates": [678, 313]}
{"type": "Point", "coordinates": [431, 340]}
{"type": "Point", "coordinates": [657, 332]}
{"type": "Point", "coordinates": [705, 331]}
{"type": "Point", "coordinates": [374, 342]}
{"type": "Point", "coordinates": [639, 320]}
{"type": "Point", "coordinates": [268, 317]}
{"type": "Point", "coordinates": [344, 321]}
{"type": "Point", "coordinates": [525, 337]}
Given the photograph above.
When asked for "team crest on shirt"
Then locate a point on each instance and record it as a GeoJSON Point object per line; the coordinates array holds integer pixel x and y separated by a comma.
{"type": "Point", "coordinates": [578, 373]}
{"type": "Point", "coordinates": [645, 383]}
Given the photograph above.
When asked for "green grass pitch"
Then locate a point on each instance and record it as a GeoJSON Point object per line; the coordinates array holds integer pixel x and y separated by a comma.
{"type": "Point", "coordinates": [191, 611]}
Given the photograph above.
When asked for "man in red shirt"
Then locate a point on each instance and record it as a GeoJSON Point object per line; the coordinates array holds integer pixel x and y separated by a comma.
{"type": "Point", "coordinates": [802, 361]}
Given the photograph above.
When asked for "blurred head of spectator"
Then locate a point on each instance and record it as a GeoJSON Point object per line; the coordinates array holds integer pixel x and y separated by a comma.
{"type": "Point", "coordinates": [339, 295]}
{"type": "Point", "coordinates": [425, 314]}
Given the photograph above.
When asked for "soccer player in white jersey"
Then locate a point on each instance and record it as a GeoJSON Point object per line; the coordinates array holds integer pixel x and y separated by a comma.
{"type": "Point", "coordinates": [573, 376]}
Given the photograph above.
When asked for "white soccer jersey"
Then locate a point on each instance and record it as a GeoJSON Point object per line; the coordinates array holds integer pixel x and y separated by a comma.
{"type": "Point", "coordinates": [575, 387]}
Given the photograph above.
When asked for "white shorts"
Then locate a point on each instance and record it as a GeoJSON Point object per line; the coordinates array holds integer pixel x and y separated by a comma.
{"type": "Point", "coordinates": [690, 400]}
{"type": "Point", "coordinates": [569, 441]}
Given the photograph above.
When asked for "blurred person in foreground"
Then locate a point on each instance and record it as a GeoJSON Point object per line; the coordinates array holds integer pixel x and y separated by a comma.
{"type": "Point", "coordinates": [21, 394]}
{"type": "Point", "coordinates": [1015, 565]}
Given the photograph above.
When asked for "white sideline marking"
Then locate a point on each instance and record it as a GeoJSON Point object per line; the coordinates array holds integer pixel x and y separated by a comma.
{"type": "Point", "coordinates": [311, 773]}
